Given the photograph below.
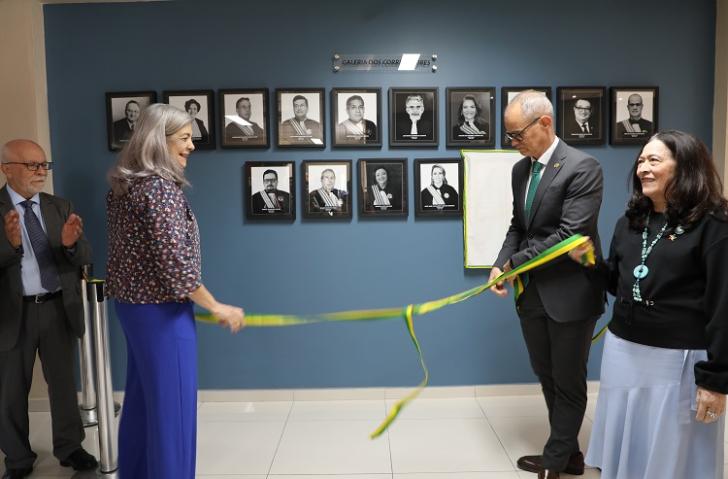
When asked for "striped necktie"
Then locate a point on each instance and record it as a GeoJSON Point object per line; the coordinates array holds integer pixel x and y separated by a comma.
{"type": "Point", "coordinates": [533, 186]}
{"type": "Point", "coordinates": [41, 248]}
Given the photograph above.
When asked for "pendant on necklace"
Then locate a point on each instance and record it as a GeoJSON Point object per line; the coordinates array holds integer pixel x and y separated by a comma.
{"type": "Point", "coordinates": [641, 271]}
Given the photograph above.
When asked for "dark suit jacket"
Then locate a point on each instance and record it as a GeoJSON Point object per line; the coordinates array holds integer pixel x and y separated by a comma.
{"type": "Point", "coordinates": [55, 212]}
{"type": "Point", "coordinates": [122, 132]}
{"type": "Point", "coordinates": [567, 202]}
{"type": "Point", "coordinates": [572, 129]}
{"type": "Point", "coordinates": [404, 127]}
{"type": "Point", "coordinates": [370, 132]}
{"type": "Point", "coordinates": [235, 135]}
{"type": "Point", "coordinates": [205, 136]}
{"type": "Point", "coordinates": [259, 204]}
{"type": "Point", "coordinates": [645, 127]}
{"type": "Point", "coordinates": [287, 135]}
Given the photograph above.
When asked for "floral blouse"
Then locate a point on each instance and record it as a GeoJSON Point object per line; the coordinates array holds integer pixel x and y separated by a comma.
{"type": "Point", "coordinates": [153, 244]}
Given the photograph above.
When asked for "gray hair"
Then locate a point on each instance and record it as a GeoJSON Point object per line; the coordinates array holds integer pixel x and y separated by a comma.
{"type": "Point", "coordinates": [146, 153]}
{"type": "Point", "coordinates": [533, 104]}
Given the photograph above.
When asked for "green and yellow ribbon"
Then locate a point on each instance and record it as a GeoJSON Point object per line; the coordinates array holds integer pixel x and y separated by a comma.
{"type": "Point", "coordinates": [410, 311]}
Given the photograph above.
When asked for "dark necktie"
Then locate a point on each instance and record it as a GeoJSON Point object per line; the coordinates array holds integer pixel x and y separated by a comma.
{"type": "Point", "coordinates": [41, 248]}
{"type": "Point", "coordinates": [532, 187]}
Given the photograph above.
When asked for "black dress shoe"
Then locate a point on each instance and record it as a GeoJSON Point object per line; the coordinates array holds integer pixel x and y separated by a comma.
{"type": "Point", "coordinates": [17, 473]}
{"type": "Point", "coordinates": [575, 466]}
{"type": "Point", "coordinates": [80, 460]}
{"type": "Point", "coordinates": [546, 474]}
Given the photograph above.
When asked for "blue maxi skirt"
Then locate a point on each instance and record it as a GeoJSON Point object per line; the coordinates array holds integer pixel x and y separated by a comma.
{"type": "Point", "coordinates": [158, 428]}
{"type": "Point", "coordinates": [644, 426]}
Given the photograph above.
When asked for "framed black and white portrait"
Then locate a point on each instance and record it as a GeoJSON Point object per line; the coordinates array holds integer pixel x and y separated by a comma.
{"type": "Point", "coordinates": [326, 189]}
{"type": "Point", "coordinates": [270, 190]}
{"type": "Point", "coordinates": [122, 113]}
{"type": "Point", "coordinates": [634, 115]}
{"type": "Point", "coordinates": [244, 118]}
{"type": "Point", "coordinates": [509, 93]}
{"type": "Point", "coordinates": [413, 117]}
{"type": "Point", "coordinates": [356, 116]}
{"type": "Point", "coordinates": [383, 187]}
{"type": "Point", "coordinates": [438, 186]}
{"type": "Point", "coordinates": [470, 117]}
{"type": "Point", "coordinates": [199, 105]}
{"type": "Point", "coordinates": [580, 115]}
{"type": "Point", "coordinates": [300, 118]}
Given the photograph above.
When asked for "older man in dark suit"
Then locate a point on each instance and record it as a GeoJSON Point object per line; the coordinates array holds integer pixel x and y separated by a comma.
{"type": "Point", "coordinates": [557, 192]}
{"type": "Point", "coordinates": [41, 252]}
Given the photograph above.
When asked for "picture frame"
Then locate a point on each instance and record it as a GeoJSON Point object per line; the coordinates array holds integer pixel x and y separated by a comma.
{"type": "Point", "coordinates": [270, 188]}
{"type": "Point", "coordinates": [383, 187]}
{"type": "Point", "coordinates": [580, 113]}
{"type": "Point", "coordinates": [634, 114]}
{"type": "Point", "coordinates": [470, 114]}
{"type": "Point", "coordinates": [507, 94]}
{"type": "Point", "coordinates": [300, 118]}
{"type": "Point", "coordinates": [402, 132]}
{"type": "Point", "coordinates": [199, 104]}
{"type": "Point", "coordinates": [356, 118]}
{"type": "Point", "coordinates": [244, 118]}
{"type": "Point", "coordinates": [438, 187]}
{"type": "Point", "coordinates": [326, 189]}
{"type": "Point", "coordinates": [122, 112]}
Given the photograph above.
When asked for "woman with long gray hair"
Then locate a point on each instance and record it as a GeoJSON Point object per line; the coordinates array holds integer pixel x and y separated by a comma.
{"type": "Point", "coordinates": [153, 274]}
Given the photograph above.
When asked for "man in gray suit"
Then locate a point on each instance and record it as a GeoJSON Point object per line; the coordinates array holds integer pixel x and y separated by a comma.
{"type": "Point", "coordinates": [41, 251]}
{"type": "Point", "coordinates": [557, 192]}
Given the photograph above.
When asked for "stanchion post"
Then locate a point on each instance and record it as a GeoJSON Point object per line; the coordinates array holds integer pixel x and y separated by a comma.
{"type": "Point", "coordinates": [107, 427]}
{"type": "Point", "coordinates": [85, 353]}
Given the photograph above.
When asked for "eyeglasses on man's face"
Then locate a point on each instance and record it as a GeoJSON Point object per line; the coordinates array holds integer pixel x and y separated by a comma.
{"type": "Point", "coordinates": [518, 135]}
{"type": "Point", "coordinates": [45, 165]}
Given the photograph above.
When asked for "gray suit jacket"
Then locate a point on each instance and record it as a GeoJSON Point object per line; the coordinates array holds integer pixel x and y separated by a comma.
{"type": "Point", "coordinates": [567, 202]}
{"type": "Point", "coordinates": [55, 212]}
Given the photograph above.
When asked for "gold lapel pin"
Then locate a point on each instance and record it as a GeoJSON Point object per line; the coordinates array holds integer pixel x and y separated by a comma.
{"type": "Point", "coordinates": [556, 165]}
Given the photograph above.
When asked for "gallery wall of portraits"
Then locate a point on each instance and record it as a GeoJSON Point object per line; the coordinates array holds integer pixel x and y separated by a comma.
{"type": "Point", "coordinates": [583, 115]}
{"type": "Point", "coordinates": [301, 220]}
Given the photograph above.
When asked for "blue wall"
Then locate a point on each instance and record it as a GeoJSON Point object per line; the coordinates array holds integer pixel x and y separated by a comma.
{"type": "Point", "coordinates": [308, 266]}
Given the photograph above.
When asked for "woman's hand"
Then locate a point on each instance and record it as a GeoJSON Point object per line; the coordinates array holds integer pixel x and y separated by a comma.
{"type": "Point", "coordinates": [711, 405]}
{"type": "Point", "coordinates": [228, 316]}
{"type": "Point", "coordinates": [578, 254]}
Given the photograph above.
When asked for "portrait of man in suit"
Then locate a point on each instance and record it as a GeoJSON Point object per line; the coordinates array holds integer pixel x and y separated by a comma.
{"type": "Point", "coordinates": [557, 192]}
{"type": "Point", "coordinates": [302, 128]}
{"type": "Point", "coordinates": [240, 129]}
{"type": "Point", "coordinates": [413, 117]}
{"type": "Point", "coordinates": [270, 200]}
{"type": "Point", "coordinates": [124, 127]}
{"type": "Point", "coordinates": [635, 125]}
{"type": "Point", "coordinates": [356, 129]}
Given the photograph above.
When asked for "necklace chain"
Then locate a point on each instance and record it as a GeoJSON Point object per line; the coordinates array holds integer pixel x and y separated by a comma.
{"type": "Point", "coordinates": [642, 271]}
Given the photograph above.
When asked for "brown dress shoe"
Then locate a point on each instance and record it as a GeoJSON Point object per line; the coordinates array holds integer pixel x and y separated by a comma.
{"type": "Point", "coordinates": [546, 474]}
{"type": "Point", "coordinates": [575, 466]}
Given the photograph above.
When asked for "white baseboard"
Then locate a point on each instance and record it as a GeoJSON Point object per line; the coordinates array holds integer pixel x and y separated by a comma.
{"type": "Point", "coordinates": [344, 394]}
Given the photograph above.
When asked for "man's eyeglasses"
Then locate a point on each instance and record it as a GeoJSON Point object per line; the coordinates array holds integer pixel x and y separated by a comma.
{"type": "Point", "coordinates": [518, 135]}
{"type": "Point", "coordinates": [582, 108]}
{"type": "Point", "coordinates": [634, 104]}
{"type": "Point", "coordinates": [46, 165]}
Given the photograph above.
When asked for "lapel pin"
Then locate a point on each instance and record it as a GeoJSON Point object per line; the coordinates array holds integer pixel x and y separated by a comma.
{"type": "Point", "coordinates": [556, 165]}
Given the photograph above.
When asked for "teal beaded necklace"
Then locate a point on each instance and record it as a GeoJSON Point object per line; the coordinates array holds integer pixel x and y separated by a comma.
{"type": "Point", "coordinates": [641, 271]}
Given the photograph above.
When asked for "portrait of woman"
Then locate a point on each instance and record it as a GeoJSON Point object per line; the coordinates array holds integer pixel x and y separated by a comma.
{"type": "Point", "coordinates": [383, 187]}
{"type": "Point", "coordinates": [438, 194]}
{"type": "Point", "coordinates": [471, 125]}
{"type": "Point", "coordinates": [470, 116]}
{"type": "Point", "coordinates": [199, 132]}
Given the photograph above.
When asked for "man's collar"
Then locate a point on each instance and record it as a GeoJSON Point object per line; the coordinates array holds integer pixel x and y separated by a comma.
{"type": "Point", "coordinates": [16, 198]}
{"type": "Point", "coordinates": [546, 156]}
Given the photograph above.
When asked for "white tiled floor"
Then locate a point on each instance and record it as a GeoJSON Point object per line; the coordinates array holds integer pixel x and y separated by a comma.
{"type": "Point", "coordinates": [440, 438]}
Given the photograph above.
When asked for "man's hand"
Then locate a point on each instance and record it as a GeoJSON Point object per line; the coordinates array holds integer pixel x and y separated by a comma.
{"type": "Point", "coordinates": [499, 288]}
{"type": "Point", "coordinates": [72, 230]}
{"type": "Point", "coordinates": [12, 228]}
